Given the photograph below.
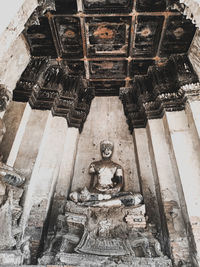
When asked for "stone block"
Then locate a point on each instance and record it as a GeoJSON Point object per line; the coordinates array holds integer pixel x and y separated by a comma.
{"type": "Point", "coordinates": [11, 257]}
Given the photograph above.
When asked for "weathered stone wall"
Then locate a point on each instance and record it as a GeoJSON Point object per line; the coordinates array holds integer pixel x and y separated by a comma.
{"type": "Point", "coordinates": [14, 62]}
{"type": "Point", "coordinates": [106, 120]}
{"type": "Point", "coordinates": [13, 24]}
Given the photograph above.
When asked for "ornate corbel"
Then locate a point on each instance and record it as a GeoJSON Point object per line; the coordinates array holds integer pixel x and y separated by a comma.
{"type": "Point", "coordinates": [29, 79]}
{"type": "Point", "coordinates": [162, 89]}
{"type": "Point", "coordinates": [134, 111]}
{"type": "Point", "coordinates": [46, 85]}
{"type": "Point", "coordinates": [77, 116]}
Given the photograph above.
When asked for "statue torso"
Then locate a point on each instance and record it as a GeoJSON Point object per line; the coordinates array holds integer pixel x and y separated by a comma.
{"type": "Point", "coordinates": [105, 172]}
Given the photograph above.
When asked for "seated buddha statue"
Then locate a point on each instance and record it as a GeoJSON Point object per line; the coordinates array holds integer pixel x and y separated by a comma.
{"type": "Point", "coordinates": [107, 181]}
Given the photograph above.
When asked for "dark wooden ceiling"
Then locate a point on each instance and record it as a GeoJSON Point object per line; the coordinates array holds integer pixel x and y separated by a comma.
{"type": "Point", "coordinates": [108, 42]}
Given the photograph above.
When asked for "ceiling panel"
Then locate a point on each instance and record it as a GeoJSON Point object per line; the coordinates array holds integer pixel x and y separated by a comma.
{"type": "Point", "coordinates": [107, 6]}
{"type": "Point", "coordinates": [107, 36]}
{"type": "Point", "coordinates": [74, 67]}
{"type": "Point", "coordinates": [178, 36]}
{"type": "Point", "coordinates": [150, 5]}
{"type": "Point", "coordinates": [69, 36]}
{"type": "Point", "coordinates": [140, 67]}
{"type": "Point", "coordinates": [108, 69]}
{"type": "Point", "coordinates": [40, 39]}
{"type": "Point", "coordinates": [66, 6]}
{"type": "Point", "coordinates": [147, 35]}
{"type": "Point", "coordinates": [107, 88]}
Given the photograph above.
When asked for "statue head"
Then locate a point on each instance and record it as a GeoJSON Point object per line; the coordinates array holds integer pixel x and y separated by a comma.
{"type": "Point", "coordinates": [106, 148]}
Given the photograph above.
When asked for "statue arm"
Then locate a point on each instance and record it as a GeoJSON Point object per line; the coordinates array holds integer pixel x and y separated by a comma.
{"type": "Point", "coordinates": [92, 173]}
{"type": "Point", "coordinates": [118, 180]}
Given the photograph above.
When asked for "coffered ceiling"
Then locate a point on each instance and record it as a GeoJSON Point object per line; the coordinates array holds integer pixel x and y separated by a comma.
{"type": "Point", "coordinates": [108, 42]}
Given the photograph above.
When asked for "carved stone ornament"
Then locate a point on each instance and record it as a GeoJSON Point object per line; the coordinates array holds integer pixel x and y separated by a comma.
{"type": "Point", "coordinates": [162, 89]}
{"type": "Point", "coordinates": [10, 212]}
{"type": "Point", "coordinates": [95, 233]}
{"type": "Point", "coordinates": [5, 97]}
{"type": "Point", "coordinates": [103, 222]}
{"type": "Point", "coordinates": [192, 91]}
{"type": "Point", "coordinates": [47, 85]}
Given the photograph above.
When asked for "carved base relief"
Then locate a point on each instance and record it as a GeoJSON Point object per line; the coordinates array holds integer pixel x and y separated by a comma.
{"type": "Point", "coordinates": [10, 212]}
{"type": "Point", "coordinates": [102, 233]}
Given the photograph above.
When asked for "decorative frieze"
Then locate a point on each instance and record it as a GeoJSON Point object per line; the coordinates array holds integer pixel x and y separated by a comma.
{"type": "Point", "coordinates": [192, 91]}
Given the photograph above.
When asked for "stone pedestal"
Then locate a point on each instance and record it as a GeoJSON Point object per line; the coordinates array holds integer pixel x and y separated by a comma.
{"type": "Point", "coordinates": [103, 235]}
{"type": "Point", "coordinates": [99, 261]}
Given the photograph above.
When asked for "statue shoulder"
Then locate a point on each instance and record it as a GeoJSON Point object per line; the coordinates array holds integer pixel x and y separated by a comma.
{"type": "Point", "coordinates": [93, 166]}
{"type": "Point", "coordinates": [116, 165]}
{"type": "Point", "coordinates": [119, 169]}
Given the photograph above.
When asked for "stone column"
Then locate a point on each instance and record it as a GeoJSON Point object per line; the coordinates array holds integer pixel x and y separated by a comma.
{"type": "Point", "coordinates": [43, 181]}
{"type": "Point", "coordinates": [187, 153]}
{"type": "Point", "coordinates": [192, 93]}
{"type": "Point", "coordinates": [165, 167]}
{"type": "Point", "coordinates": [147, 178]}
{"type": "Point", "coordinates": [194, 53]}
{"type": "Point", "coordinates": [30, 143]}
{"type": "Point", "coordinates": [65, 175]}
{"type": "Point", "coordinates": [15, 119]}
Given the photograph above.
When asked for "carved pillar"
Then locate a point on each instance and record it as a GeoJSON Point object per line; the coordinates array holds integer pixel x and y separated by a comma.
{"type": "Point", "coordinates": [194, 52]}
{"type": "Point", "coordinates": [149, 183]}
{"type": "Point", "coordinates": [30, 143]}
{"type": "Point", "coordinates": [187, 156]}
{"type": "Point", "coordinates": [65, 175]}
{"type": "Point", "coordinates": [12, 119]}
{"type": "Point", "coordinates": [192, 92]}
{"type": "Point", "coordinates": [164, 164]}
{"type": "Point", "coordinates": [43, 181]}
{"type": "Point", "coordinates": [19, 135]}
{"type": "Point", "coordinates": [184, 130]}
{"type": "Point", "coordinates": [148, 180]}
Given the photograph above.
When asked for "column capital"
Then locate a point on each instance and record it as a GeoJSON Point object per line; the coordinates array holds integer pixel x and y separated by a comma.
{"type": "Point", "coordinates": [47, 85]}
{"type": "Point", "coordinates": [161, 89]}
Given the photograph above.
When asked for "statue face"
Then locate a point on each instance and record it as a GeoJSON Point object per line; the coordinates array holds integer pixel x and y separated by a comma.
{"type": "Point", "coordinates": [106, 149]}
